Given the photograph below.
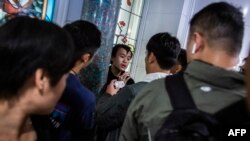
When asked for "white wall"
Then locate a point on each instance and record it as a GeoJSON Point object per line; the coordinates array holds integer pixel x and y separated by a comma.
{"type": "Point", "coordinates": [186, 14]}
{"type": "Point", "coordinates": [74, 10]}
{"type": "Point", "coordinates": [158, 16]}
{"type": "Point", "coordinates": [67, 11]}
{"type": "Point", "coordinates": [60, 12]}
{"type": "Point", "coordinates": [173, 16]}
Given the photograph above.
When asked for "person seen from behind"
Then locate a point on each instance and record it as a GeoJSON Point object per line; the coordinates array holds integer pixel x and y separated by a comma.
{"type": "Point", "coordinates": [162, 51]}
{"type": "Point", "coordinates": [214, 44]}
{"type": "Point", "coordinates": [73, 116]}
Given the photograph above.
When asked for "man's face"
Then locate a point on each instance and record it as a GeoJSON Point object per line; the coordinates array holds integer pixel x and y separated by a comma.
{"type": "Point", "coordinates": [122, 59]}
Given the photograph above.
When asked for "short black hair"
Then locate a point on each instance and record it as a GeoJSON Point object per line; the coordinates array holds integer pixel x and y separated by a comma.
{"type": "Point", "coordinates": [220, 22]}
{"type": "Point", "coordinates": [118, 46]}
{"type": "Point", "coordinates": [27, 44]}
{"type": "Point", "coordinates": [86, 37]}
{"type": "Point", "coordinates": [165, 48]}
{"type": "Point", "coordinates": [182, 58]}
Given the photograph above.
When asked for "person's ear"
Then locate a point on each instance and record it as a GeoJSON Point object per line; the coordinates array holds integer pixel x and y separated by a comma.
{"type": "Point", "coordinates": [151, 58]}
{"type": "Point", "coordinates": [40, 79]}
{"type": "Point", "coordinates": [86, 59]}
{"type": "Point", "coordinates": [198, 43]}
{"type": "Point", "coordinates": [178, 68]}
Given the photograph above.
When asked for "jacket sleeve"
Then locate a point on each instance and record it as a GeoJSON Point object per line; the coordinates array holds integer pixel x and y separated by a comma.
{"type": "Point", "coordinates": [111, 110]}
{"type": "Point", "coordinates": [129, 131]}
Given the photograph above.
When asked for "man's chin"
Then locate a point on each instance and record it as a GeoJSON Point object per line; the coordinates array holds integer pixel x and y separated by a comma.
{"type": "Point", "coordinates": [123, 69]}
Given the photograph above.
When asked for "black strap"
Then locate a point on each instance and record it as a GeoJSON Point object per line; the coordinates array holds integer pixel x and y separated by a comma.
{"type": "Point", "coordinates": [178, 92]}
{"type": "Point", "coordinates": [236, 113]}
{"type": "Point", "coordinates": [181, 98]}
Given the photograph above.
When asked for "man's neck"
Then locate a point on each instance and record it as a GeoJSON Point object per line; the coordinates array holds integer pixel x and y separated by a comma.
{"type": "Point", "coordinates": [12, 121]}
{"type": "Point", "coordinates": [220, 59]}
{"type": "Point", "coordinates": [115, 70]}
{"type": "Point", "coordinates": [77, 68]}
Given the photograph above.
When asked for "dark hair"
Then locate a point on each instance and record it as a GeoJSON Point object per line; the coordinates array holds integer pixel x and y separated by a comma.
{"type": "Point", "coordinates": [86, 37]}
{"type": "Point", "coordinates": [220, 22]}
{"type": "Point", "coordinates": [165, 48]}
{"type": "Point", "coordinates": [117, 47]}
{"type": "Point", "coordinates": [27, 44]}
{"type": "Point", "coordinates": [182, 59]}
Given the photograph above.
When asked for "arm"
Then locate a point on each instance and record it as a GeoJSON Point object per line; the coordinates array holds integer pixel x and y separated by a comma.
{"type": "Point", "coordinates": [108, 89]}
{"type": "Point", "coordinates": [111, 110]}
{"type": "Point", "coordinates": [105, 102]}
{"type": "Point", "coordinates": [129, 131]}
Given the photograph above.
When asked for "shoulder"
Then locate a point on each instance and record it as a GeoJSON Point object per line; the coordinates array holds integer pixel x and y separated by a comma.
{"type": "Point", "coordinates": [130, 81]}
{"type": "Point", "coordinates": [150, 106]}
{"type": "Point", "coordinates": [156, 87]}
{"type": "Point", "coordinates": [87, 94]}
{"type": "Point", "coordinates": [129, 91]}
{"type": "Point", "coordinates": [135, 88]}
{"type": "Point", "coordinates": [76, 93]}
{"type": "Point", "coordinates": [153, 93]}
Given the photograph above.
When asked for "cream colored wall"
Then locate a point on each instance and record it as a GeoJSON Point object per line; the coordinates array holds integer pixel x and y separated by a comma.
{"type": "Point", "coordinates": [173, 16]}
{"type": "Point", "coordinates": [158, 16]}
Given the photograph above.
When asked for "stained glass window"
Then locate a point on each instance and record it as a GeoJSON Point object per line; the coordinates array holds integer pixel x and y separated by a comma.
{"type": "Point", "coordinates": [128, 23]}
{"type": "Point", "coordinates": [42, 9]}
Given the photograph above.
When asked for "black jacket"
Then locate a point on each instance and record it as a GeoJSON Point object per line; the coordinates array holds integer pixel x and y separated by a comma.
{"type": "Point", "coordinates": [111, 110]}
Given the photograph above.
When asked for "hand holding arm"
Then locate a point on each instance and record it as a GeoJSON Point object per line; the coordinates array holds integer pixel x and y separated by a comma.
{"type": "Point", "coordinates": [124, 77]}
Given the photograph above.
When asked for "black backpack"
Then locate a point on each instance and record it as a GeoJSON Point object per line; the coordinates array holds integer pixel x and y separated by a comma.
{"type": "Point", "coordinates": [187, 123]}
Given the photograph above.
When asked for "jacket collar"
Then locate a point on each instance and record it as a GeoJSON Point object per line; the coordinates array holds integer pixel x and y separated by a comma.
{"type": "Point", "coordinates": [216, 76]}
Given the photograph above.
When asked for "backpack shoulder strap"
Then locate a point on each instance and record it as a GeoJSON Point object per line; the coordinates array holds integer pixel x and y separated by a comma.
{"type": "Point", "coordinates": [178, 92]}
{"type": "Point", "coordinates": [236, 113]}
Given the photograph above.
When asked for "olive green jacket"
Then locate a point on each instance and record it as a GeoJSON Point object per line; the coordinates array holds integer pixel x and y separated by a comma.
{"type": "Point", "coordinates": [212, 89]}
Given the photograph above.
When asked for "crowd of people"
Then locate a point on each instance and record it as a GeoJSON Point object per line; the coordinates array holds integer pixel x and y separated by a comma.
{"type": "Point", "coordinates": [42, 98]}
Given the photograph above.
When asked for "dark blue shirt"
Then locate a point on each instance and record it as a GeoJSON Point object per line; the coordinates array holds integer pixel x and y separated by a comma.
{"type": "Point", "coordinates": [73, 116]}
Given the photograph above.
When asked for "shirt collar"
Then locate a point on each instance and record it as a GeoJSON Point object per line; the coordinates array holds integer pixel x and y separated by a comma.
{"type": "Point", "coordinates": [153, 76]}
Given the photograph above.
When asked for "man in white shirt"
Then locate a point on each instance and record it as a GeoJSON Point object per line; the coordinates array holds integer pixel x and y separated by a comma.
{"type": "Point", "coordinates": [162, 53]}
